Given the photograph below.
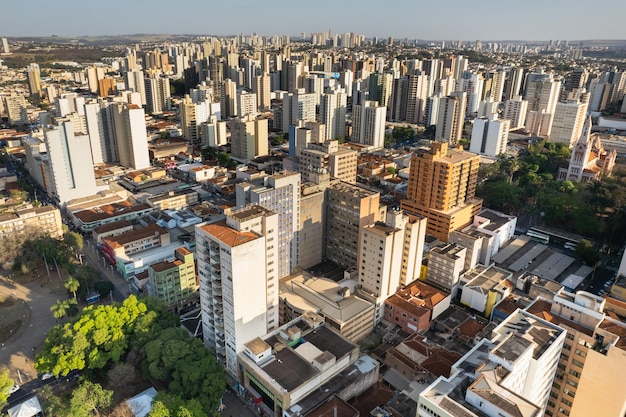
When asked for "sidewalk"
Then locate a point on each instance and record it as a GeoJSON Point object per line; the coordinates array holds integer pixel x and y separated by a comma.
{"type": "Point", "coordinates": [94, 259]}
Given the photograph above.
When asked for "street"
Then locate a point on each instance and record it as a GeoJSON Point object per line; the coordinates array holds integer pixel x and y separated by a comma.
{"type": "Point", "coordinates": [94, 259]}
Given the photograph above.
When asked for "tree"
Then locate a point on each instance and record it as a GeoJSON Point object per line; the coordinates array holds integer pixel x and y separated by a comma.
{"type": "Point", "coordinates": [121, 375]}
{"type": "Point", "coordinates": [6, 383]}
{"type": "Point", "coordinates": [88, 397]}
{"type": "Point", "coordinates": [59, 309]}
{"type": "Point", "coordinates": [209, 153]}
{"type": "Point", "coordinates": [165, 405]}
{"type": "Point", "coordinates": [103, 287]}
{"type": "Point", "coordinates": [183, 363]}
{"type": "Point", "coordinates": [587, 252]}
{"type": "Point", "coordinates": [72, 285]}
{"type": "Point", "coordinates": [159, 409]}
{"type": "Point", "coordinates": [100, 335]}
{"type": "Point", "coordinates": [74, 240]}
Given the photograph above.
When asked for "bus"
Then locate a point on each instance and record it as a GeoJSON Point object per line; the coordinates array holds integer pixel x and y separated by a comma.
{"type": "Point", "coordinates": [570, 245]}
{"type": "Point", "coordinates": [539, 237]}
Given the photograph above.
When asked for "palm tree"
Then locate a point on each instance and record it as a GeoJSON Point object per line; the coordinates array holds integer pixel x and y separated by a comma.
{"type": "Point", "coordinates": [72, 307]}
{"type": "Point", "coordinates": [59, 309]}
{"type": "Point", "coordinates": [72, 285]}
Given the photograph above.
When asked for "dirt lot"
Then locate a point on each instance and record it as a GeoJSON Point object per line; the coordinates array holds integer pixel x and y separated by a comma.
{"type": "Point", "coordinates": [25, 318]}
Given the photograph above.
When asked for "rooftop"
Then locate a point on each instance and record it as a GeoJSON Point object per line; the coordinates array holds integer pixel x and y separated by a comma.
{"type": "Point", "coordinates": [228, 235]}
{"type": "Point", "coordinates": [134, 235]}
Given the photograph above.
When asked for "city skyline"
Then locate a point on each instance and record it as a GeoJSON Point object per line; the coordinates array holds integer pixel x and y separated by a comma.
{"type": "Point", "coordinates": [533, 21]}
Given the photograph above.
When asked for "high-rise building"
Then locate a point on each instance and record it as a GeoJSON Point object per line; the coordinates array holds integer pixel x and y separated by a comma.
{"type": "Point", "coordinates": [173, 281]}
{"type": "Point", "coordinates": [188, 121]}
{"type": "Point", "coordinates": [228, 98]}
{"type": "Point", "coordinates": [129, 122]}
{"type": "Point", "coordinates": [16, 107]}
{"type": "Point", "coordinates": [279, 193]}
{"type": "Point", "coordinates": [34, 80]}
{"type": "Point", "coordinates": [472, 85]}
{"type": "Point", "coordinates": [248, 138]}
{"type": "Point", "coordinates": [94, 119]}
{"type": "Point", "coordinates": [592, 359]}
{"type": "Point", "coordinates": [238, 281]}
{"type": "Point", "coordinates": [513, 83]}
{"type": "Point", "coordinates": [489, 136]}
{"type": "Point", "coordinates": [106, 86]}
{"type": "Point", "coordinates": [71, 164]}
{"type": "Point", "coordinates": [451, 118]}
{"type": "Point", "coordinates": [515, 110]}
{"type": "Point", "coordinates": [5, 47]}
{"type": "Point", "coordinates": [568, 121]}
{"type": "Point", "coordinates": [542, 92]}
{"type": "Point", "coordinates": [391, 256]}
{"type": "Point", "coordinates": [349, 208]}
{"type": "Point", "coordinates": [495, 88]}
{"type": "Point", "coordinates": [157, 93]}
{"type": "Point", "coordinates": [134, 81]}
{"type": "Point", "coordinates": [368, 124]}
{"type": "Point", "coordinates": [442, 185]}
{"type": "Point", "coordinates": [261, 87]}
{"type": "Point", "coordinates": [379, 89]}
{"type": "Point", "coordinates": [297, 106]}
{"type": "Point", "coordinates": [246, 103]}
{"type": "Point", "coordinates": [333, 114]}
{"type": "Point", "coordinates": [321, 161]}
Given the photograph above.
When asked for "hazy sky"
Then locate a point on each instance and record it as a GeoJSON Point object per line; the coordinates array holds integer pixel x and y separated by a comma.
{"type": "Point", "coordinates": [414, 19]}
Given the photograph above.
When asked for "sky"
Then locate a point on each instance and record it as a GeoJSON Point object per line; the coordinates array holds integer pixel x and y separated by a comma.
{"type": "Point", "coordinates": [413, 19]}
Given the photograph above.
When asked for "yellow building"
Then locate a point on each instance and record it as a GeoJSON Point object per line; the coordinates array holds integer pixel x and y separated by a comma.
{"type": "Point", "coordinates": [442, 185]}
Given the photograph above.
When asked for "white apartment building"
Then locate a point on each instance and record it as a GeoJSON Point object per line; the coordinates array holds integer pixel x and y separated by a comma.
{"type": "Point", "coordinates": [246, 103]}
{"type": "Point", "coordinates": [281, 194]}
{"type": "Point", "coordinates": [132, 139]}
{"type": "Point", "coordinates": [451, 118]}
{"type": "Point", "coordinates": [515, 110]}
{"type": "Point", "coordinates": [567, 124]}
{"type": "Point", "coordinates": [238, 281]}
{"type": "Point", "coordinates": [489, 136]}
{"type": "Point", "coordinates": [542, 93]}
{"type": "Point", "coordinates": [333, 114]}
{"type": "Point", "coordinates": [368, 124]}
{"type": "Point", "coordinates": [71, 164]}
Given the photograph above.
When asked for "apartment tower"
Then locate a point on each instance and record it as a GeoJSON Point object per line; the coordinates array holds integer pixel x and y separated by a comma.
{"type": "Point", "coordinates": [442, 185]}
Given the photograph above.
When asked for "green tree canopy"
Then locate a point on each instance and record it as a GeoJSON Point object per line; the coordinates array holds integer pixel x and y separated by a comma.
{"type": "Point", "coordinates": [166, 405]}
{"type": "Point", "coordinates": [6, 383]}
{"type": "Point", "coordinates": [72, 284]}
{"type": "Point", "coordinates": [189, 370]}
{"type": "Point", "coordinates": [89, 398]}
{"type": "Point", "coordinates": [99, 335]}
{"type": "Point", "coordinates": [73, 240]}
